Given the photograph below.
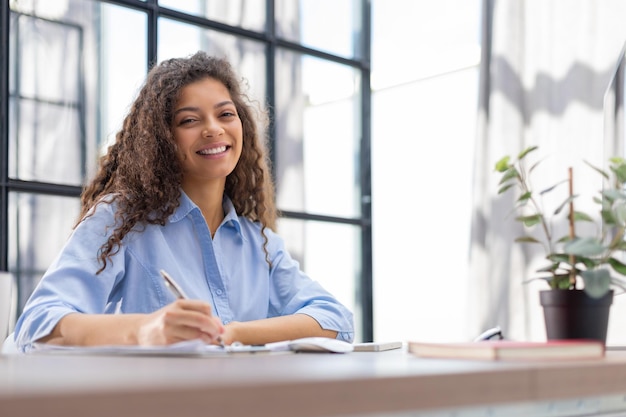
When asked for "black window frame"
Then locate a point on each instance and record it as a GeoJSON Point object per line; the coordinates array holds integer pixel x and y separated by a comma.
{"type": "Point", "coordinates": [361, 62]}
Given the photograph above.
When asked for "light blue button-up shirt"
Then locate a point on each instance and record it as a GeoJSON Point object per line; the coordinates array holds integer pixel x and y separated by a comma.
{"type": "Point", "coordinates": [229, 271]}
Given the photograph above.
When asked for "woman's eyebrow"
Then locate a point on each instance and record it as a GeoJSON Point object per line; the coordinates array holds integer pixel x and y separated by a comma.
{"type": "Point", "coordinates": [223, 103]}
{"type": "Point", "coordinates": [196, 109]}
{"type": "Point", "coordinates": [189, 108]}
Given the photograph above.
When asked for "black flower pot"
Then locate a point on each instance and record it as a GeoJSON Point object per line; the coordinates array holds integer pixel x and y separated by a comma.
{"type": "Point", "coordinates": [572, 314]}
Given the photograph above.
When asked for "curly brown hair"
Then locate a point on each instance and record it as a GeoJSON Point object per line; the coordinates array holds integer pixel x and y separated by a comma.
{"type": "Point", "coordinates": [141, 171]}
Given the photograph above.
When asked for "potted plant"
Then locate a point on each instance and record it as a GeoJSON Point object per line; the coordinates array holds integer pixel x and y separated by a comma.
{"type": "Point", "coordinates": [581, 270]}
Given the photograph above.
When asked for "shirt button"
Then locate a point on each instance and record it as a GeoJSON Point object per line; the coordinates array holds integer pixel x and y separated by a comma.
{"type": "Point", "coordinates": [219, 292]}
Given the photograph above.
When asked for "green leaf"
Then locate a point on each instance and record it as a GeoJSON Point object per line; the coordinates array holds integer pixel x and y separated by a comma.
{"type": "Point", "coordinates": [524, 197]}
{"type": "Point", "coordinates": [597, 282]}
{"type": "Point", "coordinates": [613, 195]}
{"type": "Point", "coordinates": [583, 217]}
{"type": "Point", "coordinates": [563, 204]}
{"type": "Point", "coordinates": [526, 151]}
{"type": "Point", "coordinates": [558, 257]}
{"type": "Point", "coordinates": [621, 246]}
{"type": "Point", "coordinates": [506, 187]}
{"type": "Point", "coordinates": [584, 247]}
{"type": "Point", "coordinates": [560, 282]}
{"type": "Point", "coordinates": [503, 164]}
{"type": "Point", "coordinates": [529, 221]}
{"type": "Point", "coordinates": [603, 173]}
{"type": "Point", "coordinates": [550, 268]}
{"type": "Point", "coordinates": [589, 263]}
{"type": "Point", "coordinates": [620, 171]}
{"type": "Point", "coordinates": [547, 190]}
{"type": "Point", "coordinates": [508, 175]}
{"type": "Point", "coordinates": [535, 165]}
{"type": "Point", "coordinates": [619, 212]}
{"type": "Point", "coordinates": [607, 217]}
{"type": "Point", "coordinates": [618, 266]}
{"type": "Point", "coordinates": [526, 239]}
{"type": "Point", "coordinates": [564, 239]}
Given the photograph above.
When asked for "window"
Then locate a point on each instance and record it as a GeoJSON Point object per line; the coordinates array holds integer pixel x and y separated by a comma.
{"type": "Point", "coordinates": [74, 67]}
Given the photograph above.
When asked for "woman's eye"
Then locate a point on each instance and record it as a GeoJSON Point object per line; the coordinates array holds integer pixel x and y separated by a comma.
{"type": "Point", "coordinates": [229, 114]}
{"type": "Point", "coordinates": [187, 121]}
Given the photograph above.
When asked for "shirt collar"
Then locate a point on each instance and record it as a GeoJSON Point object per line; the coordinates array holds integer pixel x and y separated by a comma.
{"type": "Point", "coordinates": [186, 206]}
{"type": "Point", "coordinates": [231, 217]}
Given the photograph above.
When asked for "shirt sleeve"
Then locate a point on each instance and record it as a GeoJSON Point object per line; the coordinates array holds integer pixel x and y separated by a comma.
{"type": "Point", "coordinates": [70, 285]}
{"type": "Point", "coordinates": [294, 292]}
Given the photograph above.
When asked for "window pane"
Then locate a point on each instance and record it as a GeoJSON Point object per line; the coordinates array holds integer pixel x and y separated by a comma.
{"type": "Point", "coordinates": [248, 14]}
{"type": "Point", "coordinates": [317, 136]}
{"type": "Point", "coordinates": [34, 240]}
{"type": "Point", "coordinates": [47, 62]}
{"type": "Point", "coordinates": [74, 67]}
{"type": "Point", "coordinates": [334, 263]}
{"type": "Point", "coordinates": [309, 22]}
{"type": "Point", "coordinates": [123, 66]}
{"type": "Point", "coordinates": [46, 101]}
{"type": "Point", "coordinates": [178, 39]}
{"type": "Point", "coordinates": [49, 145]}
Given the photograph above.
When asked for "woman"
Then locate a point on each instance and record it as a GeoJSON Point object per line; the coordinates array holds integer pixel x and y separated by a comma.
{"type": "Point", "coordinates": [185, 188]}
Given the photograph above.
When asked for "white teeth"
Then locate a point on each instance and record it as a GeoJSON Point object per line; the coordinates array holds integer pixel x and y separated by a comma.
{"type": "Point", "coordinates": [212, 151]}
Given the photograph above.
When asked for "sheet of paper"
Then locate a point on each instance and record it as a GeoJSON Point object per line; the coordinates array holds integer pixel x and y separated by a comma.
{"type": "Point", "coordinates": [186, 348]}
{"type": "Point", "coordinates": [199, 348]}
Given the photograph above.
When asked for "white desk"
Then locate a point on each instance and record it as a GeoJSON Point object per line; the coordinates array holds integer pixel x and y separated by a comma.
{"type": "Point", "coordinates": [290, 385]}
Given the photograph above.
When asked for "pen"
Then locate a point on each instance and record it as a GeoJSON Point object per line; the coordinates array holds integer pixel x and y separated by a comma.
{"type": "Point", "coordinates": [179, 293]}
{"type": "Point", "coordinates": [173, 286]}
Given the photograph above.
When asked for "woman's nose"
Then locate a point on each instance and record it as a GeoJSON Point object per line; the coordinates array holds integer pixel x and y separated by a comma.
{"type": "Point", "coordinates": [212, 128]}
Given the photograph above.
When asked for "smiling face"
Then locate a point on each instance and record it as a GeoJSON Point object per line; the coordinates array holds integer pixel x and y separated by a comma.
{"type": "Point", "coordinates": [208, 133]}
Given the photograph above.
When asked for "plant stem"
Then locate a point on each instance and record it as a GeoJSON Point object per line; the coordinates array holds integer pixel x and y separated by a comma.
{"type": "Point", "coordinates": [524, 182]}
{"type": "Point", "coordinates": [572, 232]}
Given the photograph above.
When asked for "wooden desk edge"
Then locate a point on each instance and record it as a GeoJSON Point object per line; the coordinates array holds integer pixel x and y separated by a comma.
{"type": "Point", "coordinates": [336, 397]}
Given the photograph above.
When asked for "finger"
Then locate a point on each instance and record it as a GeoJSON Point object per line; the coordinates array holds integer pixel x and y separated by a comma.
{"type": "Point", "coordinates": [227, 337]}
{"type": "Point", "coordinates": [204, 323]}
{"type": "Point", "coordinates": [194, 305]}
{"type": "Point", "coordinates": [175, 334]}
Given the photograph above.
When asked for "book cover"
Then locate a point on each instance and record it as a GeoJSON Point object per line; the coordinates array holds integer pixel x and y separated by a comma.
{"type": "Point", "coordinates": [510, 350]}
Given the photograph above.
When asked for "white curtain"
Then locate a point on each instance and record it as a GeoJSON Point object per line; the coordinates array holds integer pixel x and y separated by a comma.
{"type": "Point", "coordinates": [546, 66]}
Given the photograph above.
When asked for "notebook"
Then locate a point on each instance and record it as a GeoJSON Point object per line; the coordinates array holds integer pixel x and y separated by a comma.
{"type": "Point", "coordinates": [510, 350]}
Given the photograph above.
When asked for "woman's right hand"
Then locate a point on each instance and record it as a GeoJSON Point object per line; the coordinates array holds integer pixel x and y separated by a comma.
{"type": "Point", "coordinates": [179, 321]}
